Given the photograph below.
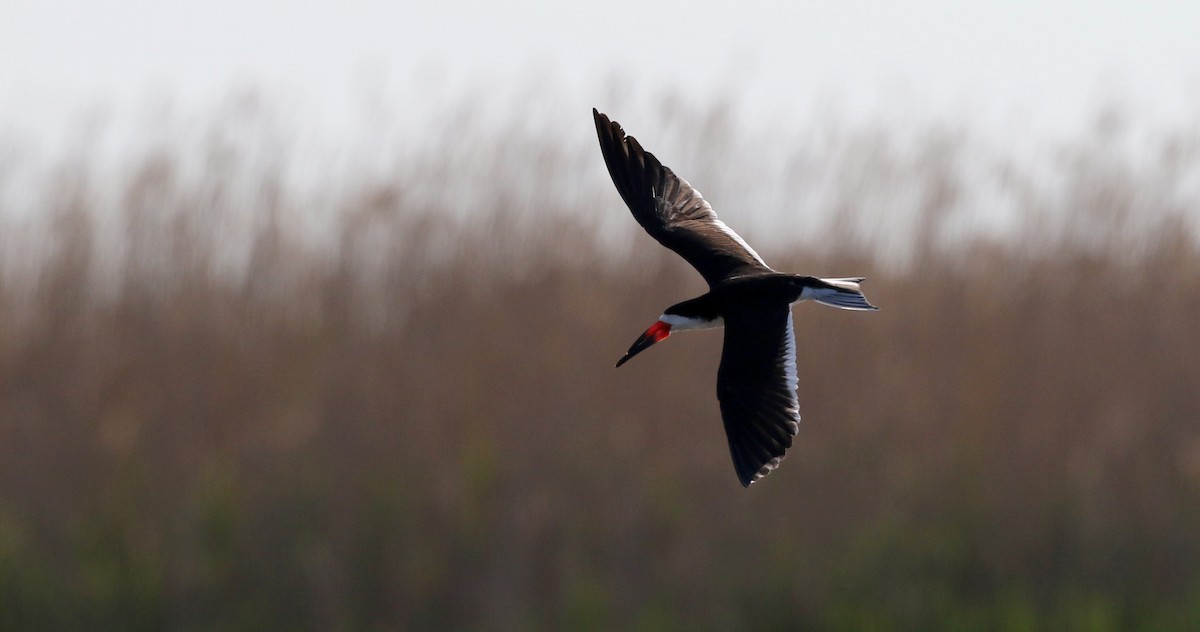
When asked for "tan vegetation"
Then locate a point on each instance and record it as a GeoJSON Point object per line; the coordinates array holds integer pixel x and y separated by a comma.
{"type": "Point", "coordinates": [230, 401]}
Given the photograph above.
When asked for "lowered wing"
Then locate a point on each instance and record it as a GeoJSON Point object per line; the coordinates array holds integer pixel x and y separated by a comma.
{"type": "Point", "coordinates": [756, 384]}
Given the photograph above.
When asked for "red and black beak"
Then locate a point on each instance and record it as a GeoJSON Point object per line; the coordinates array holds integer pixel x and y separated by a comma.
{"type": "Point", "coordinates": [656, 332]}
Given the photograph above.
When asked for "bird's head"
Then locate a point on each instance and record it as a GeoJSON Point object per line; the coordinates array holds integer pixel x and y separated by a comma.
{"type": "Point", "coordinates": [690, 315]}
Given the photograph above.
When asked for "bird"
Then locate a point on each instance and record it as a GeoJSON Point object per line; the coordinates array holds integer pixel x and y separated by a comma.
{"type": "Point", "coordinates": [756, 378]}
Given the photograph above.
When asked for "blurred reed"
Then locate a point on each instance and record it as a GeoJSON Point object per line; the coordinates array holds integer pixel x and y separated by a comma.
{"type": "Point", "coordinates": [377, 393]}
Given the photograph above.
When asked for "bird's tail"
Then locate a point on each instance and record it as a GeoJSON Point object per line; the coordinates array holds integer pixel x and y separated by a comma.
{"type": "Point", "coordinates": [843, 293]}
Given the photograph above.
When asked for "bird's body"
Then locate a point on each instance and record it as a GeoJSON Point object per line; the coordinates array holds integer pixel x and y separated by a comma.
{"type": "Point", "coordinates": [756, 381]}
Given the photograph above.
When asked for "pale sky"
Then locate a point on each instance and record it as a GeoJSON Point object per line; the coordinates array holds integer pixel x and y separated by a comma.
{"type": "Point", "coordinates": [1048, 61]}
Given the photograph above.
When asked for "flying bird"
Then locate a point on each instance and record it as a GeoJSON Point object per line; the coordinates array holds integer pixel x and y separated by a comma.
{"type": "Point", "coordinates": [756, 380]}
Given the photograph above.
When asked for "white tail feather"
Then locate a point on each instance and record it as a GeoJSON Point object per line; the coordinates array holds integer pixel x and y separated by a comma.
{"type": "Point", "coordinates": [848, 283]}
{"type": "Point", "coordinates": [843, 293]}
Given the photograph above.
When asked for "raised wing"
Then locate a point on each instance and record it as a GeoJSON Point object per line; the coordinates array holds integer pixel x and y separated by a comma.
{"type": "Point", "coordinates": [671, 210]}
{"type": "Point", "coordinates": [756, 385]}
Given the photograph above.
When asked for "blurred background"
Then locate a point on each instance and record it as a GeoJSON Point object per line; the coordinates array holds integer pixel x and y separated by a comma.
{"type": "Point", "coordinates": [308, 316]}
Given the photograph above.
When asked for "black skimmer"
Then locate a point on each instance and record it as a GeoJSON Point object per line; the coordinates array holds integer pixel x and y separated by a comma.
{"type": "Point", "coordinates": [756, 381]}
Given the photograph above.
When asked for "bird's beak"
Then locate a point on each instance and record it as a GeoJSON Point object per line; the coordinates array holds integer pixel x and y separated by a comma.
{"type": "Point", "coordinates": [656, 332]}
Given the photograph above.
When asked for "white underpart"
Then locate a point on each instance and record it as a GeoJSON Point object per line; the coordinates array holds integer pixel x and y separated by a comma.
{"type": "Point", "coordinates": [684, 323]}
{"type": "Point", "coordinates": [793, 380]}
{"type": "Point", "coordinates": [738, 238]}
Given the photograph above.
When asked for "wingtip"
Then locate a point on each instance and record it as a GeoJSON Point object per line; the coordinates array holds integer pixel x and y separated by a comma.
{"type": "Point", "coordinates": [748, 479]}
{"type": "Point", "coordinates": [601, 118]}
{"type": "Point", "coordinates": [608, 130]}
